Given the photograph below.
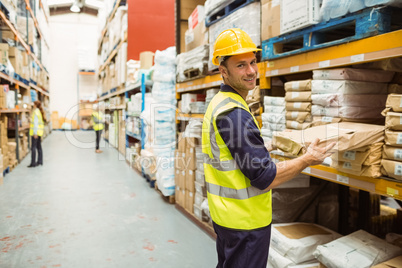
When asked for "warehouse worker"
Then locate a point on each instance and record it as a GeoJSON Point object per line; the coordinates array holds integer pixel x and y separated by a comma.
{"type": "Point", "coordinates": [239, 171]}
{"type": "Point", "coordinates": [36, 133]}
{"type": "Point", "coordinates": [98, 126]}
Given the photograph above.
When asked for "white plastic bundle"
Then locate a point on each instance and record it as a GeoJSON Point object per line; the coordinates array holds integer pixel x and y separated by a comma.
{"type": "Point", "coordinates": [165, 66]}
{"type": "Point", "coordinates": [370, 3]}
{"type": "Point", "coordinates": [164, 92]}
{"type": "Point", "coordinates": [165, 176]}
{"type": "Point", "coordinates": [193, 59]}
{"type": "Point", "coordinates": [193, 129]}
{"type": "Point", "coordinates": [133, 66]}
{"type": "Point", "coordinates": [213, 6]}
{"type": "Point", "coordinates": [332, 9]}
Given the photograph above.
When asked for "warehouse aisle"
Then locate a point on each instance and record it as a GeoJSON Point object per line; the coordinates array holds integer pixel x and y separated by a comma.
{"type": "Point", "coordinates": [83, 209]}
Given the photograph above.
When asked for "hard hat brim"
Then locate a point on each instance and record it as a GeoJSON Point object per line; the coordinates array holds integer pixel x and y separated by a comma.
{"type": "Point", "coordinates": [240, 51]}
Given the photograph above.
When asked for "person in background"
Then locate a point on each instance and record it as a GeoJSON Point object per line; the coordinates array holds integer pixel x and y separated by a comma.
{"type": "Point", "coordinates": [98, 126]}
{"type": "Point", "coordinates": [36, 132]}
{"type": "Point", "coordinates": [239, 171]}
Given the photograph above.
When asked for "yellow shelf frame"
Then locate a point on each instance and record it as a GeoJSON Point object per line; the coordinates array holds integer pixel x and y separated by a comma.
{"type": "Point", "coordinates": [120, 91]}
{"type": "Point", "coordinates": [374, 48]}
{"type": "Point", "coordinates": [381, 186]}
{"type": "Point", "coordinates": [21, 40]}
{"type": "Point", "coordinates": [187, 117]}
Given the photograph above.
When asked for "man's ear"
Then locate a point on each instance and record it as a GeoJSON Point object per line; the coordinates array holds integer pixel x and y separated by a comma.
{"type": "Point", "coordinates": [223, 70]}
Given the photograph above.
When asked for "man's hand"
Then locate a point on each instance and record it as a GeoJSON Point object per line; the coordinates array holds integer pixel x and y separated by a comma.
{"type": "Point", "coordinates": [315, 154]}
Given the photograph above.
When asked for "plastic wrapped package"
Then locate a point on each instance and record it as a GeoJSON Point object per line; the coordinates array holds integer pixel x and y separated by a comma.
{"type": "Point", "coordinates": [188, 98]}
{"type": "Point", "coordinates": [297, 241]}
{"type": "Point", "coordinates": [298, 96]}
{"type": "Point", "coordinates": [276, 260]}
{"type": "Point", "coordinates": [166, 57]}
{"type": "Point", "coordinates": [193, 129]}
{"type": "Point", "coordinates": [370, 3]}
{"type": "Point", "coordinates": [300, 117]}
{"type": "Point", "coordinates": [347, 112]}
{"type": "Point", "coordinates": [274, 101]}
{"type": "Point", "coordinates": [164, 73]}
{"type": "Point", "coordinates": [348, 87]}
{"type": "Point", "coordinates": [339, 100]}
{"type": "Point", "coordinates": [196, 58]}
{"type": "Point", "coordinates": [166, 182]}
{"type": "Point", "coordinates": [273, 118]}
{"type": "Point", "coordinates": [133, 67]}
{"type": "Point", "coordinates": [332, 9]}
{"type": "Point", "coordinates": [213, 6]}
{"type": "Point", "coordinates": [236, 20]}
{"type": "Point", "coordinates": [164, 92]}
{"type": "Point", "coordinates": [210, 93]}
{"type": "Point", "coordinates": [353, 74]}
{"type": "Point", "coordinates": [298, 106]}
{"type": "Point", "coordinates": [277, 126]}
{"type": "Point", "coordinates": [197, 107]}
{"type": "Point", "coordinates": [302, 85]}
{"type": "Point", "coordinates": [297, 125]}
{"type": "Point", "coordinates": [357, 250]}
{"type": "Point", "coordinates": [274, 109]}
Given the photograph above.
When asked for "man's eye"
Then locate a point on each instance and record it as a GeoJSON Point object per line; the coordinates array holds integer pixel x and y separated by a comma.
{"type": "Point", "coordinates": [240, 65]}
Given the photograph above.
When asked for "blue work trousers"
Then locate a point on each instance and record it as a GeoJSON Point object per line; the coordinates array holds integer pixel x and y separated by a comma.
{"type": "Point", "coordinates": [242, 249]}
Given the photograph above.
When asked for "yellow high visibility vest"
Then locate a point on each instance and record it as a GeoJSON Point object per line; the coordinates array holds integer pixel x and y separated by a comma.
{"type": "Point", "coordinates": [39, 132]}
{"type": "Point", "coordinates": [97, 118]}
{"type": "Point", "coordinates": [233, 201]}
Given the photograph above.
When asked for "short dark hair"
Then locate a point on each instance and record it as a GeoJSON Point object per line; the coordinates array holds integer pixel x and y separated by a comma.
{"type": "Point", "coordinates": [223, 61]}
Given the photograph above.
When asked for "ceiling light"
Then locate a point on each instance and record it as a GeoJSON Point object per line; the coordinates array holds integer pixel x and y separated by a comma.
{"type": "Point", "coordinates": [74, 8]}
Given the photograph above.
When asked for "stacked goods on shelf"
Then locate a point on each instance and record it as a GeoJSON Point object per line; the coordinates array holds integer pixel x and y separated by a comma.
{"type": "Point", "coordinates": [346, 94]}
{"type": "Point", "coordinates": [253, 100]}
{"type": "Point", "coordinates": [192, 64]}
{"type": "Point", "coordinates": [186, 104]}
{"type": "Point", "coordinates": [280, 17]}
{"type": "Point", "coordinates": [392, 153]}
{"type": "Point", "coordinates": [3, 96]}
{"type": "Point", "coordinates": [274, 117]}
{"type": "Point", "coordinates": [236, 20]}
{"type": "Point", "coordinates": [298, 104]}
{"type": "Point", "coordinates": [294, 244]}
{"type": "Point", "coordinates": [395, 262]}
{"type": "Point", "coordinates": [132, 77]}
{"type": "Point", "coordinates": [20, 61]}
{"type": "Point", "coordinates": [12, 152]}
{"type": "Point", "coordinates": [122, 134]}
{"type": "Point", "coordinates": [161, 119]}
{"type": "Point", "coordinates": [359, 249]}
{"type": "Point", "coordinates": [196, 35]}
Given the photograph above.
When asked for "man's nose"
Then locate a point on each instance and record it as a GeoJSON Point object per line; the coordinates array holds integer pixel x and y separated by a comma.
{"type": "Point", "coordinates": [251, 70]}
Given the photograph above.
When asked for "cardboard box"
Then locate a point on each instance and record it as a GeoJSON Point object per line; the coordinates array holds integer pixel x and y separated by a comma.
{"type": "Point", "coordinates": [270, 18]}
{"type": "Point", "coordinates": [200, 189]}
{"type": "Point", "coordinates": [187, 7]}
{"type": "Point", "coordinates": [197, 17]}
{"type": "Point", "coordinates": [180, 196]}
{"type": "Point", "coordinates": [181, 146]}
{"type": "Point", "coordinates": [146, 59]}
{"type": "Point", "coordinates": [190, 180]}
{"type": "Point", "coordinates": [393, 138]}
{"type": "Point", "coordinates": [392, 153]}
{"type": "Point", "coordinates": [394, 102]}
{"type": "Point", "coordinates": [196, 37]}
{"type": "Point", "coordinates": [180, 160]}
{"type": "Point", "coordinates": [392, 169]}
{"type": "Point", "coordinates": [4, 53]}
{"type": "Point", "coordinates": [392, 263]}
{"type": "Point", "coordinates": [183, 30]}
{"type": "Point", "coordinates": [349, 136]}
{"type": "Point", "coordinates": [198, 199]}
{"type": "Point", "coordinates": [393, 121]}
{"type": "Point", "coordinates": [189, 203]}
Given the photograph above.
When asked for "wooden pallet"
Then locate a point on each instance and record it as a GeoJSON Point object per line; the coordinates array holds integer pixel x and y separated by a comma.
{"type": "Point", "coordinates": [352, 27]}
{"type": "Point", "coordinates": [194, 73]}
{"type": "Point", "coordinates": [170, 199]}
{"type": "Point", "coordinates": [13, 165]}
{"type": "Point", "coordinates": [226, 11]}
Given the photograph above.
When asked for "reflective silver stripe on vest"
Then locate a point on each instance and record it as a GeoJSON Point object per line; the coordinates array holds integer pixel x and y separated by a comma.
{"type": "Point", "coordinates": [228, 165]}
{"type": "Point", "coordinates": [240, 194]}
{"type": "Point", "coordinates": [214, 145]}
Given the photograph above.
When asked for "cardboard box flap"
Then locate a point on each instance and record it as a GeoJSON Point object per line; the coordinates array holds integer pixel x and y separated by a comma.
{"type": "Point", "coordinates": [301, 230]}
{"type": "Point", "coordinates": [394, 101]}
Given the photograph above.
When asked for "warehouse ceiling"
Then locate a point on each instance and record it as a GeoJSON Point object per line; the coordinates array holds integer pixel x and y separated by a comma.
{"type": "Point", "coordinates": [58, 7]}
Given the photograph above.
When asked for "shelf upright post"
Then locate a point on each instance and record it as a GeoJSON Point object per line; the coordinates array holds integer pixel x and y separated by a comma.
{"type": "Point", "coordinates": [16, 126]}
{"type": "Point", "coordinates": [142, 109]}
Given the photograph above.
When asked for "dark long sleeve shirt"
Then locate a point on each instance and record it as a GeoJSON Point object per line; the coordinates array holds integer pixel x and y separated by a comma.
{"type": "Point", "coordinates": [243, 139]}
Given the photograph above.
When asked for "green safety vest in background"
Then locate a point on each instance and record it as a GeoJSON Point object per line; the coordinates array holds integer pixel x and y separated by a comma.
{"type": "Point", "coordinates": [233, 201]}
{"type": "Point", "coordinates": [97, 119]}
{"type": "Point", "coordinates": [39, 132]}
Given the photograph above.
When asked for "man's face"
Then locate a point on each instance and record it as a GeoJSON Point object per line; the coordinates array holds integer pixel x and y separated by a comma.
{"type": "Point", "coordinates": [241, 72]}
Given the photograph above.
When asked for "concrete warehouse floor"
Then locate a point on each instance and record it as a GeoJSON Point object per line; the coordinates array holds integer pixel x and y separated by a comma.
{"type": "Point", "coordinates": [82, 209]}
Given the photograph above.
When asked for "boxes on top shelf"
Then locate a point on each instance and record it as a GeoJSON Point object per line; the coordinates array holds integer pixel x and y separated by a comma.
{"type": "Point", "coordinates": [270, 18]}
{"type": "Point", "coordinates": [4, 53]}
{"type": "Point", "coordinates": [297, 14]}
{"type": "Point", "coordinates": [196, 34]}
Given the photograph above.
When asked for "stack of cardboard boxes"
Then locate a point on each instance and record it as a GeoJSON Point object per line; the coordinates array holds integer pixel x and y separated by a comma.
{"type": "Point", "coordinates": [188, 168]}
{"type": "Point", "coordinates": [20, 61]}
{"type": "Point", "coordinates": [298, 104]}
{"type": "Point", "coordinates": [12, 152]}
{"type": "Point", "coordinates": [3, 96]}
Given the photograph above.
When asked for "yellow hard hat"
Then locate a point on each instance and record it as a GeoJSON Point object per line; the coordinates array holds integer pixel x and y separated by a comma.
{"type": "Point", "coordinates": [232, 42]}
